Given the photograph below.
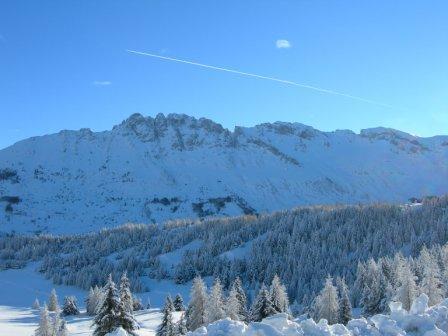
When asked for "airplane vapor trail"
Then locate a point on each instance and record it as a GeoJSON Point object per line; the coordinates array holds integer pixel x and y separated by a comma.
{"type": "Point", "coordinates": [288, 82]}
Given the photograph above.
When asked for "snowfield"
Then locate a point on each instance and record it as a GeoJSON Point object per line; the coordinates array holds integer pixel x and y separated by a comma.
{"type": "Point", "coordinates": [420, 321]}
{"type": "Point", "coordinates": [149, 170]}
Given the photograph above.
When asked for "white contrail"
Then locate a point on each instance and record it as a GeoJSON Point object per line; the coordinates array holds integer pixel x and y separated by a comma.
{"type": "Point", "coordinates": [321, 90]}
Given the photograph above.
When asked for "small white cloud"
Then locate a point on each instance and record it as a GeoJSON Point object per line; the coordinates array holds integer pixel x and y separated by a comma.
{"type": "Point", "coordinates": [282, 44]}
{"type": "Point", "coordinates": [101, 83]}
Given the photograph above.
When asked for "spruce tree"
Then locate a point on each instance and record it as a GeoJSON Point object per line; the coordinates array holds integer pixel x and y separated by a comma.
{"type": "Point", "coordinates": [167, 327]}
{"type": "Point", "coordinates": [125, 293]}
{"type": "Point", "coordinates": [36, 304]}
{"type": "Point", "coordinates": [195, 316]}
{"type": "Point", "coordinates": [70, 307]}
{"type": "Point", "coordinates": [57, 322]}
{"type": "Point", "coordinates": [93, 300]}
{"type": "Point", "coordinates": [279, 297]}
{"type": "Point", "coordinates": [214, 310]}
{"type": "Point", "coordinates": [345, 307]}
{"type": "Point", "coordinates": [112, 314]}
{"type": "Point", "coordinates": [236, 306]}
{"type": "Point", "coordinates": [179, 303]}
{"type": "Point", "coordinates": [44, 327]}
{"type": "Point", "coordinates": [408, 290]}
{"type": "Point", "coordinates": [262, 306]}
{"type": "Point", "coordinates": [431, 282]}
{"type": "Point", "coordinates": [53, 301]}
{"type": "Point", "coordinates": [326, 303]}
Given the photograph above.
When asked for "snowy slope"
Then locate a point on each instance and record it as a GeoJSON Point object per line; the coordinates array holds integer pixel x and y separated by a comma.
{"type": "Point", "coordinates": [176, 166]}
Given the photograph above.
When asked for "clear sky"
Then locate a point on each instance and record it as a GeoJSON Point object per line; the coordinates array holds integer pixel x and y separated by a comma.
{"type": "Point", "coordinates": [63, 64]}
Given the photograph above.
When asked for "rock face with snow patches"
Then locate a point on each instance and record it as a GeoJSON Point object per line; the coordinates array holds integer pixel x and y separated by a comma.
{"type": "Point", "coordinates": [154, 169]}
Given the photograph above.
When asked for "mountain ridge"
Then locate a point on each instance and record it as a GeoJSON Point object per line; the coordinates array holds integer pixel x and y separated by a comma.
{"type": "Point", "coordinates": [154, 169]}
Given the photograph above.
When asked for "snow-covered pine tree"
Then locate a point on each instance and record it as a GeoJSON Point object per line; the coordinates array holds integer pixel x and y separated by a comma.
{"type": "Point", "coordinates": [214, 308]}
{"type": "Point", "coordinates": [326, 303]}
{"type": "Point", "coordinates": [112, 314]}
{"type": "Point", "coordinates": [236, 306]}
{"type": "Point", "coordinates": [408, 290]}
{"type": "Point", "coordinates": [374, 298]}
{"type": "Point", "coordinates": [195, 316]}
{"type": "Point", "coordinates": [179, 303]}
{"type": "Point", "coordinates": [431, 283]}
{"type": "Point", "coordinates": [70, 307]}
{"type": "Point", "coordinates": [345, 307]}
{"type": "Point", "coordinates": [57, 322]}
{"type": "Point", "coordinates": [181, 326]}
{"type": "Point", "coordinates": [125, 293]}
{"type": "Point", "coordinates": [167, 327]}
{"type": "Point", "coordinates": [279, 297]}
{"type": "Point", "coordinates": [36, 304]}
{"type": "Point", "coordinates": [53, 301]}
{"type": "Point", "coordinates": [262, 306]}
{"type": "Point", "coordinates": [93, 300]}
{"type": "Point", "coordinates": [106, 319]}
{"type": "Point", "coordinates": [44, 327]}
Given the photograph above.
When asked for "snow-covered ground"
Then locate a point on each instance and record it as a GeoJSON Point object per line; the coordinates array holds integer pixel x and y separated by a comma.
{"type": "Point", "coordinates": [420, 321]}
{"type": "Point", "coordinates": [20, 287]}
{"type": "Point", "coordinates": [23, 321]}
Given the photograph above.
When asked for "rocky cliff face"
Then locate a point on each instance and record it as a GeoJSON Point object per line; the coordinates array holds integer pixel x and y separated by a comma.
{"type": "Point", "coordinates": [154, 169]}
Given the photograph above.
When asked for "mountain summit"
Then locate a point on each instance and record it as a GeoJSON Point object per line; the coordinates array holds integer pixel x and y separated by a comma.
{"type": "Point", "coordinates": [177, 166]}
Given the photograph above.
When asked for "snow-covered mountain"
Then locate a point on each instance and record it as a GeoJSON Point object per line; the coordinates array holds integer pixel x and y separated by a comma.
{"type": "Point", "coordinates": [153, 169]}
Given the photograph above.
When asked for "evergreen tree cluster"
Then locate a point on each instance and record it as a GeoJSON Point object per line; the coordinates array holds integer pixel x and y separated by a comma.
{"type": "Point", "coordinates": [51, 323]}
{"type": "Point", "coordinates": [115, 309]}
{"type": "Point", "coordinates": [207, 306]}
{"type": "Point", "coordinates": [302, 246]}
{"type": "Point", "coordinates": [401, 279]}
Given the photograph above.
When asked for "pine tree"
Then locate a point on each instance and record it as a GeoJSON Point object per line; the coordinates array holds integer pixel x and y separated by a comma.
{"type": "Point", "coordinates": [179, 303]}
{"type": "Point", "coordinates": [112, 314]}
{"type": "Point", "coordinates": [214, 310]}
{"type": "Point", "coordinates": [326, 303]}
{"type": "Point", "coordinates": [125, 293]}
{"type": "Point", "coordinates": [53, 301]}
{"type": "Point", "coordinates": [70, 307]}
{"type": "Point", "coordinates": [236, 306]}
{"type": "Point", "coordinates": [431, 282]}
{"type": "Point", "coordinates": [93, 300]}
{"type": "Point", "coordinates": [407, 291]}
{"type": "Point", "coordinates": [262, 306]}
{"type": "Point", "coordinates": [167, 327]}
{"type": "Point", "coordinates": [196, 309]}
{"type": "Point", "coordinates": [44, 328]}
{"type": "Point", "coordinates": [36, 304]}
{"type": "Point", "coordinates": [374, 298]}
{"type": "Point", "coordinates": [57, 322]}
{"type": "Point", "coordinates": [279, 297]}
{"type": "Point", "coordinates": [345, 307]}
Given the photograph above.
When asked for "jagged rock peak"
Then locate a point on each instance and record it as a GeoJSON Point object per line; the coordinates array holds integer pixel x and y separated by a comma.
{"type": "Point", "coordinates": [162, 121]}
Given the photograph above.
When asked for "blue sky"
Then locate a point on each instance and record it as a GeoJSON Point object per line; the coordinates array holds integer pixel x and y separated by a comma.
{"type": "Point", "coordinates": [63, 64]}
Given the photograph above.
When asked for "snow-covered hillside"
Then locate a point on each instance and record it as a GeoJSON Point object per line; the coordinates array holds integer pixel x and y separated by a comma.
{"type": "Point", "coordinates": [176, 166]}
